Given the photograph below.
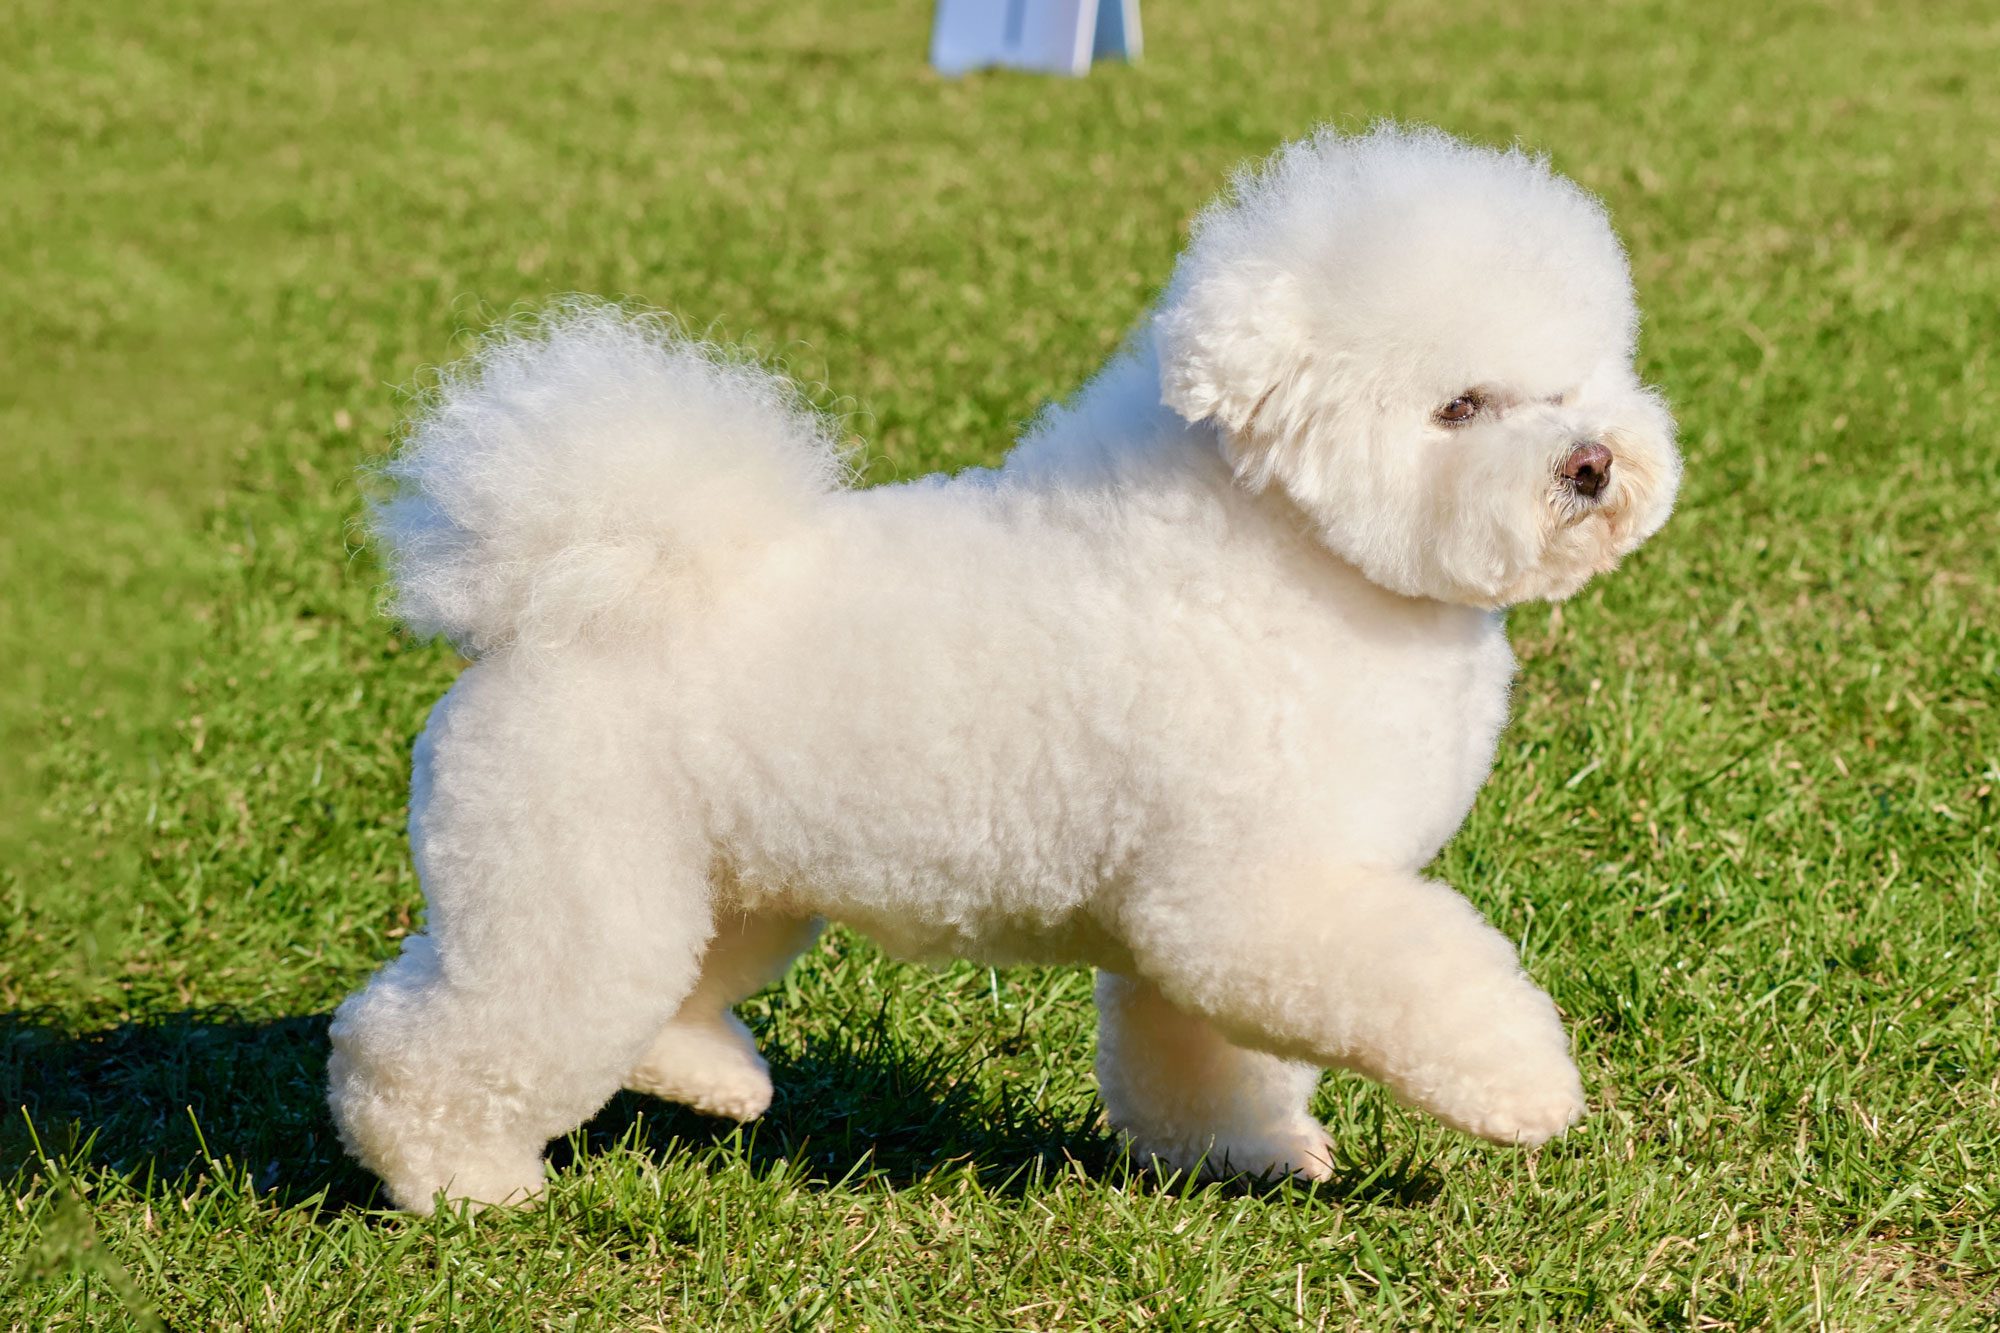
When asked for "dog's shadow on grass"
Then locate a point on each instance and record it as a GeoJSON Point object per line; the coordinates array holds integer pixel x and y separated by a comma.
{"type": "Point", "coordinates": [859, 1105]}
{"type": "Point", "coordinates": [177, 1096]}
{"type": "Point", "coordinates": [241, 1101]}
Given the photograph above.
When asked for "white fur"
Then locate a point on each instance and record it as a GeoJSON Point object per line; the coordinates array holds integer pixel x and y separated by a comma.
{"type": "Point", "coordinates": [1189, 690]}
{"type": "Point", "coordinates": [559, 476]}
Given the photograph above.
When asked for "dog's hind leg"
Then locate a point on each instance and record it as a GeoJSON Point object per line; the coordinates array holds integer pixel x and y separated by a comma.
{"type": "Point", "coordinates": [1180, 1094]}
{"type": "Point", "coordinates": [567, 917]}
{"type": "Point", "coordinates": [705, 1057]}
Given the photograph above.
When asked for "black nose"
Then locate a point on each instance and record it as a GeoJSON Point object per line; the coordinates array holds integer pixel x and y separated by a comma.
{"type": "Point", "coordinates": [1588, 469]}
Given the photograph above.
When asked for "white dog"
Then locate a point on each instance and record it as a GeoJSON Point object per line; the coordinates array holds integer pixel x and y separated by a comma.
{"type": "Point", "coordinates": [1189, 690]}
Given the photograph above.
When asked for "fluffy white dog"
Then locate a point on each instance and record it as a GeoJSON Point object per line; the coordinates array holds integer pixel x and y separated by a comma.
{"type": "Point", "coordinates": [1189, 690]}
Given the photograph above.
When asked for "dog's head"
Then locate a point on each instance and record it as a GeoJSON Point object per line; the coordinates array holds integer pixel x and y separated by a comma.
{"type": "Point", "coordinates": [1428, 346]}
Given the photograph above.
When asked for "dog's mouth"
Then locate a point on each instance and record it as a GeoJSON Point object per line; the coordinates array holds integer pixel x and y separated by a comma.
{"type": "Point", "coordinates": [1573, 508]}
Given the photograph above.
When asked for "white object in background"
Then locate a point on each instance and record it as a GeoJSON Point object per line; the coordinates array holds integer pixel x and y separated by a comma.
{"type": "Point", "coordinates": [1054, 36]}
{"type": "Point", "coordinates": [1117, 31]}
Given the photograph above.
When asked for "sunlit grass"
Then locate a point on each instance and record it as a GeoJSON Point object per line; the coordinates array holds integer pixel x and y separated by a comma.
{"type": "Point", "coordinates": [1742, 821]}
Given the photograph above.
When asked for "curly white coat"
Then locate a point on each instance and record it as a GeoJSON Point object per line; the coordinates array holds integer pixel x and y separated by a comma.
{"type": "Point", "coordinates": [1189, 690]}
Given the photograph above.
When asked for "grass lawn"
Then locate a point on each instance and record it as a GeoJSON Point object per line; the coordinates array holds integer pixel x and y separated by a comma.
{"type": "Point", "coordinates": [1743, 821]}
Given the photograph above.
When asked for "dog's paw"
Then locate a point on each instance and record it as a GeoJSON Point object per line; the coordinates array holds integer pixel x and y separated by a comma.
{"type": "Point", "coordinates": [714, 1069]}
{"type": "Point", "coordinates": [1501, 1071]}
{"type": "Point", "coordinates": [1530, 1115]}
{"type": "Point", "coordinates": [1522, 1098]}
{"type": "Point", "coordinates": [513, 1181]}
{"type": "Point", "coordinates": [1303, 1151]}
{"type": "Point", "coordinates": [740, 1095]}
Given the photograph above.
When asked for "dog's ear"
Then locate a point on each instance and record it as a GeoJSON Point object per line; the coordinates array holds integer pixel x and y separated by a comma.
{"type": "Point", "coordinates": [1231, 352]}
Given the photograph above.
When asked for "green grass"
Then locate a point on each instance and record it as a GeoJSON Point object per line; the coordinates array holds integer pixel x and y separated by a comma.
{"type": "Point", "coordinates": [1743, 819]}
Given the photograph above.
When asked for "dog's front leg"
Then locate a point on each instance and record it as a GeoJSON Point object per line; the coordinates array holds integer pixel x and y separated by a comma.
{"type": "Point", "coordinates": [1180, 1094]}
{"type": "Point", "coordinates": [1379, 971]}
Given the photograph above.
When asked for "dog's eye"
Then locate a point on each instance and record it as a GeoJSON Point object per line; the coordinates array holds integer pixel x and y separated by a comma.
{"type": "Point", "coordinates": [1459, 410]}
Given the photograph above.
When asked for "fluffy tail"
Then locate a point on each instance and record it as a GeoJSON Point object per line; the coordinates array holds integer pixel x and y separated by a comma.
{"type": "Point", "coordinates": [570, 474]}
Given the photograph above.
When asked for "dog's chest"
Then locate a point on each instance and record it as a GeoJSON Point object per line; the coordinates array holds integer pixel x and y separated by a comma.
{"type": "Point", "coordinates": [1404, 736]}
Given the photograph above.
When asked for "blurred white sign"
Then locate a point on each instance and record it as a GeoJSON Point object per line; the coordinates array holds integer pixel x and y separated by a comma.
{"type": "Point", "coordinates": [1053, 36]}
